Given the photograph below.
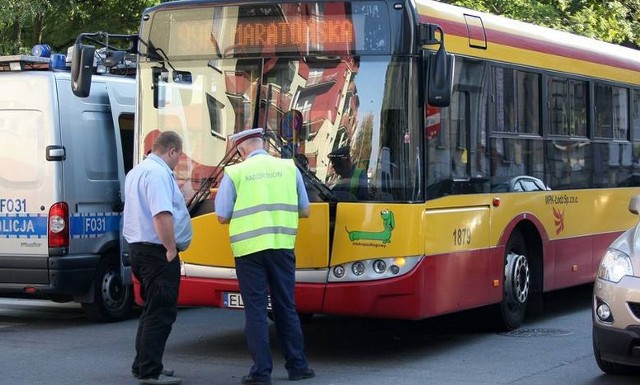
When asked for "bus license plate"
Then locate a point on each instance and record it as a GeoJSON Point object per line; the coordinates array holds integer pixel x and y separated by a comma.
{"type": "Point", "coordinates": [234, 301]}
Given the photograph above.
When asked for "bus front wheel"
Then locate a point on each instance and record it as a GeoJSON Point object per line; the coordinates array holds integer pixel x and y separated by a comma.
{"type": "Point", "coordinates": [517, 283]}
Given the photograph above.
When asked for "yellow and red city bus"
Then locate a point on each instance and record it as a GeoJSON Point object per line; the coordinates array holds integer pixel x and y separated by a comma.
{"type": "Point", "coordinates": [514, 189]}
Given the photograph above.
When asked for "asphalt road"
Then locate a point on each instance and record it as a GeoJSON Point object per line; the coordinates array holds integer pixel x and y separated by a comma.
{"type": "Point", "coordinates": [47, 343]}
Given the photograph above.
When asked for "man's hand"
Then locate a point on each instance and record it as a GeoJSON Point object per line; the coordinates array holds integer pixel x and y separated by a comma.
{"type": "Point", "coordinates": [171, 255]}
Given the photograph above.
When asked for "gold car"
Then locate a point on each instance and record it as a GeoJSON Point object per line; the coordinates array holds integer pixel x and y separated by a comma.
{"type": "Point", "coordinates": [616, 303]}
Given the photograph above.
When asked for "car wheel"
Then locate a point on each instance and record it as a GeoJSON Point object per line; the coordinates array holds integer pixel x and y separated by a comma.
{"type": "Point", "coordinates": [112, 300]}
{"type": "Point", "coordinates": [517, 283]}
{"type": "Point", "coordinates": [611, 367]}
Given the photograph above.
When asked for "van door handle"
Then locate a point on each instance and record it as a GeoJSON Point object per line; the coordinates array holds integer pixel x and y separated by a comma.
{"type": "Point", "coordinates": [55, 153]}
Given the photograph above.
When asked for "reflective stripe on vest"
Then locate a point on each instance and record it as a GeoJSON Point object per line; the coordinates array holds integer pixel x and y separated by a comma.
{"type": "Point", "coordinates": [265, 214]}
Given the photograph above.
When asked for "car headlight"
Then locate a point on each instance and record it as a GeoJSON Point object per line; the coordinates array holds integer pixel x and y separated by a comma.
{"type": "Point", "coordinates": [615, 265]}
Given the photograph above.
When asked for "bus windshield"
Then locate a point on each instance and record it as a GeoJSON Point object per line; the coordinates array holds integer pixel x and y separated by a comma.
{"type": "Point", "coordinates": [340, 110]}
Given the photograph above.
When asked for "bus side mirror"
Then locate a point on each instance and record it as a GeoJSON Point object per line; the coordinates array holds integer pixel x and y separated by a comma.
{"type": "Point", "coordinates": [439, 81]}
{"type": "Point", "coordinates": [159, 81]}
{"type": "Point", "coordinates": [81, 69]}
{"type": "Point", "coordinates": [438, 67]}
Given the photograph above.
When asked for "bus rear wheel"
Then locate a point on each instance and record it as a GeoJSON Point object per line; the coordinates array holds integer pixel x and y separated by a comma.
{"type": "Point", "coordinates": [112, 300]}
{"type": "Point", "coordinates": [517, 283]}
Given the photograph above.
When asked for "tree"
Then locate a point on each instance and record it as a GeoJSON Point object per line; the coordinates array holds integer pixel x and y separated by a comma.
{"type": "Point", "coordinates": [15, 16]}
{"type": "Point", "coordinates": [615, 21]}
{"type": "Point", "coordinates": [58, 22]}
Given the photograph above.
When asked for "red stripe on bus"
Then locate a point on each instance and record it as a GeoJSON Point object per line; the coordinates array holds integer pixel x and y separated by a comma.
{"type": "Point", "coordinates": [531, 44]}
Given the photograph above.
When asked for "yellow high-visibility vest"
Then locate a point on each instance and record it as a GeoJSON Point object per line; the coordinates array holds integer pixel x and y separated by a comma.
{"type": "Point", "coordinates": [265, 214]}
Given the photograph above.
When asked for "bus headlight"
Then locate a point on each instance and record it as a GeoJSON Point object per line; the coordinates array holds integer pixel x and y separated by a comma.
{"type": "Point", "coordinates": [615, 265]}
{"type": "Point", "coordinates": [374, 269]}
{"type": "Point", "coordinates": [379, 266]}
{"type": "Point", "coordinates": [357, 268]}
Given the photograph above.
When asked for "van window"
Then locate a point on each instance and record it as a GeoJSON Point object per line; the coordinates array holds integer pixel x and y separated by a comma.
{"type": "Point", "coordinates": [100, 156]}
{"type": "Point", "coordinates": [23, 150]}
{"type": "Point", "coordinates": [126, 122]}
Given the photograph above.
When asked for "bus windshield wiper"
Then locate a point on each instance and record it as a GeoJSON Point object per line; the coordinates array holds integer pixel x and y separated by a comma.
{"type": "Point", "coordinates": [203, 192]}
{"type": "Point", "coordinates": [323, 191]}
{"type": "Point", "coordinates": [157, 54]}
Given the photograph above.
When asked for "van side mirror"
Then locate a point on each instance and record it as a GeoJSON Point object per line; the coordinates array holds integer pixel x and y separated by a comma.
{"type": "Point", "coordinates": [438, 67]}
{"type": "Point", "coordinates": [82, 69]}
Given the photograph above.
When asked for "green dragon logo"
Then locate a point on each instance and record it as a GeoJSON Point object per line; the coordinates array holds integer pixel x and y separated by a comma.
{"type": "Point", "coordinates": [388, 223]}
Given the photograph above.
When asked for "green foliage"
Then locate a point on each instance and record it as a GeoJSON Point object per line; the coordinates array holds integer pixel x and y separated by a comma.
{"type": "Point", "coordinates": [58, 22]}
{"type": "Point", "coordinates": [612, 21]}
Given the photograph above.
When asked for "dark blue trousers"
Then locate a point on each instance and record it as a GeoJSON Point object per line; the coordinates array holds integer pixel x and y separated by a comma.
{"type": "Point", "coordinates": [160, 281]}
{"type": "Point", "coordinates": [259, 274]}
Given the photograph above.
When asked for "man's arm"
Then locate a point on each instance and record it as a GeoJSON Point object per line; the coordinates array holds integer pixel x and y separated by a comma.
{"type": "Point", "coordinates": [163, 225]}
{"type": "Point", "coordinates": [225, 198]}
{"type": "Point", "coordinates": [303, 197]}
{"type": "Point", "coordinates": [304, 213]}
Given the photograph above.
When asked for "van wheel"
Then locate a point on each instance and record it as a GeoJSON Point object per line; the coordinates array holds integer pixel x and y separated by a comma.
{"type": "Point", "coordinates": [112, 300]}
{"type": "Point", "coordinates": [517, 283]}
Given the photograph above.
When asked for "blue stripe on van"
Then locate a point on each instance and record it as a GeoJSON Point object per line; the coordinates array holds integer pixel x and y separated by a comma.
{"type": "Point", "coordinates": [23, 226]}
{"type": "Point", "coordinates": [93, 225]}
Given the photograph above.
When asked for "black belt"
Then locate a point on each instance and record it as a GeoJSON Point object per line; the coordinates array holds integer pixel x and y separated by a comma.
{"type": "Point", "coordinates": [156, 246]}
{"type": "Point", "coordinates": [149, 244]}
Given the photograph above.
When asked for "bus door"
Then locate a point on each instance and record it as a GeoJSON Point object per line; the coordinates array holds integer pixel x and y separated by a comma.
{"type": "Point", "coordinates": [312, 240]}
{"type": "Point", "coordinates": [312, 245]}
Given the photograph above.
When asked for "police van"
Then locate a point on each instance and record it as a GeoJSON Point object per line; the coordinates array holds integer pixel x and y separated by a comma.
{"type": "Point", "coordinates": [62, 168]}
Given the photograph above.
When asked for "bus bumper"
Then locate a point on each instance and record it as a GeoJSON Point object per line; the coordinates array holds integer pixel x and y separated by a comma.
{"type": "Point", "coordinates": [437, 285]}
{"type": "Point", "coordinates": [396, 298]}
{"type": "Point", "coordinates": [211, 292]}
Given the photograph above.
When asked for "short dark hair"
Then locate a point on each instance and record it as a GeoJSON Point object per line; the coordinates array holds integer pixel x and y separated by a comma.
{"type": "Point", "coordinates": [165, 141]}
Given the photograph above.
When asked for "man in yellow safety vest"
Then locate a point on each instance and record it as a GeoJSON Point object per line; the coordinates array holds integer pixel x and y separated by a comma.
{"type": "Point", "coordinates": [262, 198]}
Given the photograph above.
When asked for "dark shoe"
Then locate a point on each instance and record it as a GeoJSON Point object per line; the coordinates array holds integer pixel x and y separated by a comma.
{"type": "Point", "coordinates": [166, 372]}
{"type": "Point", "coordinates": [249, 380]}
{"type": "Point", "coordinates": [303, 375]}
{"type": "Point", "coordinates": [161, 380]}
